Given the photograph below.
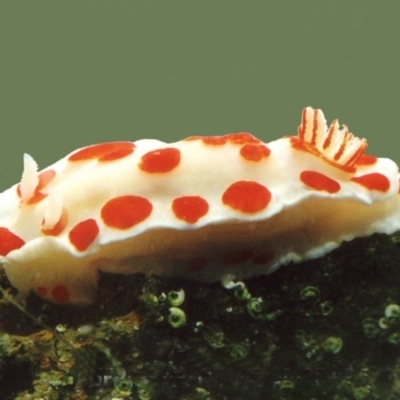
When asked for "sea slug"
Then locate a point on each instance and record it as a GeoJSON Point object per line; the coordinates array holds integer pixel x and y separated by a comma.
{"type": "Point", "coordinates": [204, 208]}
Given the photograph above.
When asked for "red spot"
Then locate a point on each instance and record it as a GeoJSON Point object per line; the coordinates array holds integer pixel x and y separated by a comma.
{"type": "Point", "coordinates": [9, 241]}
{"type": "Point", "coordinates": [234, 138]}
{"type": "Point", "coordinates": [209, 140]}
{"type": "Point", "coordinates": [104, 151]}
{"type": "Point", "coordinates": [264, 258]}
{"type": "Point", "coordinates": [83, 234]}
{"type": "Point", "coordinates": [59, 226]}
{"type": "Point", "coordinates": [247, 196]}
{"type": "Point", "coordinates": [319, 181]}
{"type": "Point", "coordinates": [242, 138]}
{"type": "Point", "coordinates": [161, 160]}
{"type": "Point", "coordinates": [126, 211]}
{"type": "Point", "coordinates": [373, 181]}
{"type": "Point", "coordinates": [214, 140]}
{"type": "Point", "coordinates": [42, 291]}
{"type": "Point", "coordinates": [197, 264]}
{"type": "Point", "coordinates": [237, 257]}
{"type": "Point", "coordinates": [366, 159]}
{"type": "Point", "coordinates": [190, 208]}
{"type": "Point", "coordinates": [45, 178]}
{"type": "Point", "coordinates": [254, 152]}
{"type": "Point", "coordinates": [60, 294]}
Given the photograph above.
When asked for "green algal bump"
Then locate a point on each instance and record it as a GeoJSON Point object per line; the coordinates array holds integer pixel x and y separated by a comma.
{"type": "Point", "coordinates": [144, 389]}
{"type": "Point", "coordinates": [370, 328]}
{"type": "Point", "coordinates": [361, 393]}
{"type": "Point", "coordinates": [332, 344]}
{"type": "Point", "coordinates": [124, 386]}
{"type": "Point", "coordinates": [326, 308]}
{"type": "Point", "coordinates": [254, 307]}
{"type": "Point", "coordinates": [241, 292]}
{"type": "Point", "coordinates": [143, 394]}
{"type": "Point", "coordinates": [384, 323]}
{"type": "Point", "coordinates": [238, 351]}
{"type": "Point", "coordinates": [394, 338]}
{"type": "Point", "coordinates": [149, 300]}
{"type": "Point", "coordinates": [177, 317]}
{"type": "Point", "coordinates": [176, 298]}
{"type": "Point", "coordinates": [286, 390]}
{"type": "Point", "coordinates": [309, 293]}
{"type": "Point", "coordinates": [213, 335]}
{"type": "Point", "coordinates": [203, 394]}
{"type": "Point", "coordinates": [8, 346]}
{"type": "Point", "coordinates": [392, 312]}
{"type": "Point", "coordinates": [86, 330]}
{"type": "Point", "coordinates": [61, 328]}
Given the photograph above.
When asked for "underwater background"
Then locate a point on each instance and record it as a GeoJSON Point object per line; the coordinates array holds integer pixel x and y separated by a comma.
{"type": "Point", "coordinates": [87, 71]}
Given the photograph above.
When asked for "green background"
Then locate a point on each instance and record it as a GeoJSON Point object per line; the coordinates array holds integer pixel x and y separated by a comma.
{"type": "Point", "coordinates": [73, 73]}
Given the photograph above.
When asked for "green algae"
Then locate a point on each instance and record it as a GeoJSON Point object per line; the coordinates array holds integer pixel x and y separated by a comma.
{"type": "Point", "coordinates": [318, 330]}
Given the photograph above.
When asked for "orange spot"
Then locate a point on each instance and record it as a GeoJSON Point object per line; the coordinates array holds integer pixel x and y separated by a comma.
{"type": "Point", "coordinates": [42, 291]}
{"type": "Point", "coordinates": [319, 181]}
{"type": "Point", "coordinates": [209, 140]}
{"type": "Point", "coordinates": [366, 159]}
{"type": "Point", "coordinates": [60, 294]}
{"type": "Point", "coordinates": [373, 181]}
{"type": "Point", "coordinates": [197, 264]}
{"type": "Point", "coordinates": [83, 234]}
{"type": "Point", "coordinates": [237, 257]}
{"type": "Point", "coordinates": [126, 211]}
{"type": "Point", "coordinates": [254, 152]}
{"type": "Point", "coordinates": [162, 160]}
{"type": "Point", "coordinates": [9, 241]}
{"type": "Point", "coordinates": [59, 226]}
{"type": "Point", "coordinates": [246, 196]}
{"type": "Point", "coordinates": [45, 178]}
{"type": "Point", "coordinates": [234, 138]}
{"type": "Point", "coordinates": [264, 258]}
{"type": "Point", "coordinates": [214, 140]}
{"type": "Point", "coordinates": [104, 151]}
{"type": "Point", "coordinates": [242, 138]}
{"type": "Point", "coordinates": [190, 208]}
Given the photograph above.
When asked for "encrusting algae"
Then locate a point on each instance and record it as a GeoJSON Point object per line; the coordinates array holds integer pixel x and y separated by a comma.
{"type": "Point", "coordinates": [261, 338]}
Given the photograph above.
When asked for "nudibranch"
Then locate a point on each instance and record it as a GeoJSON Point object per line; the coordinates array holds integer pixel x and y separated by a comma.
{"type": "Point", "coordinates": [205, 208]}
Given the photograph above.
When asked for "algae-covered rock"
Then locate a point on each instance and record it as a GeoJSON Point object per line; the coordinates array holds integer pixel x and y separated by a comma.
{"type": "Point", "coordinates": [325, 329]}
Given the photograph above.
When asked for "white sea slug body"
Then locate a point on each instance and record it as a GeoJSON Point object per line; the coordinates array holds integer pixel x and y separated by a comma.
{"type": "Point", "coordinates": [202, 208]}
